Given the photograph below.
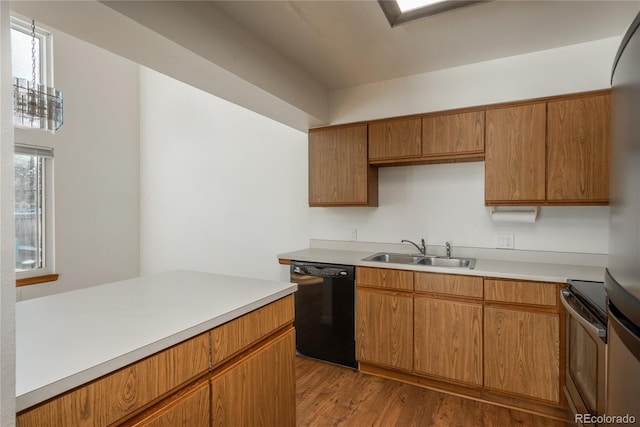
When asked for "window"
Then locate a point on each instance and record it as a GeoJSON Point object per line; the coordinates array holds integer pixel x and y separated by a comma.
{"type": "Point", "coordinates": [21, 52]}
{"type": "Point", "coordinates": [33, 242]}
{"type": "Point", "coordinates": [33, 166]}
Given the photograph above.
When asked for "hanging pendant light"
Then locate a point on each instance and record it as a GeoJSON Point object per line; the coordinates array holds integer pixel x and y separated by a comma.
{"type": "Point", "coordinates": [36, 106]}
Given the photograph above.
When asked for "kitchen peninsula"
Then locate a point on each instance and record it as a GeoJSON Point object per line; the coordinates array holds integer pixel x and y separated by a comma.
{"type": "Point", "coordinates": [163, 349]}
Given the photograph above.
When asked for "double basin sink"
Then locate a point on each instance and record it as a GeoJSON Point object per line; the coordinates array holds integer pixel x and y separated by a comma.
{"type": "Point", "coordinates": [393, 258]}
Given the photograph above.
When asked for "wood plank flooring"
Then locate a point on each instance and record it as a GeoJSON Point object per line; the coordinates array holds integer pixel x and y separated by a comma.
{"type": "Point", "coordinates": [330, 395]}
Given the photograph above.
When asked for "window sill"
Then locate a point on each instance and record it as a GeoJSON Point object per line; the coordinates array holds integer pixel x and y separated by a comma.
{"type": "Point", "coordinates": [35, 280]}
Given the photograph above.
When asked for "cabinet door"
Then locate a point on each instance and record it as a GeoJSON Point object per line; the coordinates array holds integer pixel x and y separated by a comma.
{"type": "Point", "coordinates": [384, 329]}
{"type": "Point", "coordinates": [448, 339]}
{"type": "Point", "coordinates": [578, 141]}
{"type": "Point", "coordinates": [522, 352]}
{"type": "Point", "coordinates": [453, 134]}
{"type": "Point", "coordinates": [339, 173]}
{"type": "Point", "coordinates": [395, 139]}
{"type": "Point", "coordinates": [515, 154]}
{"type": "Point", "coordinates": [191, 408]}
{"type": "Point", "coordinates": [260, 390]}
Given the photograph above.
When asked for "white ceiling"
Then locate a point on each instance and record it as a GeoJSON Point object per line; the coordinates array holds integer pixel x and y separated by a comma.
{"type": "Point", "coordinates": [348, 43]}
{"type": "Point", "coordinates": [283, 58]}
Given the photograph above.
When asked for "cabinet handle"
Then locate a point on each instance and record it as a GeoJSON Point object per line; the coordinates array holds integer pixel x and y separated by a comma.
{"type": "Point", "coordinates": [582, 315]}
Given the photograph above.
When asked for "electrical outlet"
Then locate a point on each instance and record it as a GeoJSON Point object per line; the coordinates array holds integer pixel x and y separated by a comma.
{"type": "Point", "coordinates": [505, 241]}
{"type": "Point", "coordinates": [354, 234]}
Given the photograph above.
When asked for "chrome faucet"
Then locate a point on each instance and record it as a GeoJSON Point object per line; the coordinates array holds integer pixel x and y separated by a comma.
{"type": "Point", "coordinates": [422, 249]}
{"type": "Point", "coordinates": [447, 246]}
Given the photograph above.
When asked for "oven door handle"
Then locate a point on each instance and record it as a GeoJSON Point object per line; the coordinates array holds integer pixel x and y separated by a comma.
{"type": "Point", "coordinates": [594, 328]}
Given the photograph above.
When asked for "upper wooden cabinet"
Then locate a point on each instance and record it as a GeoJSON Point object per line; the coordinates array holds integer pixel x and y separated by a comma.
{"type": "Point", "coordinates": [339, 173]}
{"type": "Point", "coordinates": [548, 151]}
{"type": "Point", "coordinates": [515, 154]}
{"type": "Point", "coordinates": [552, 152]}
{"type": "Point", "coordinates": [395, 139]}
{"type": "Point", "coordinates": [578, 141]}
{"type": "Point", "coordinates": [458, 133]}
{"type": "Point", "coordinates": [432, 138]}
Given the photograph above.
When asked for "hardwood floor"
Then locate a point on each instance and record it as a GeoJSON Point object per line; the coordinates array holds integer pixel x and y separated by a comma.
{"type": "Point", "coordinates": [330, 395]}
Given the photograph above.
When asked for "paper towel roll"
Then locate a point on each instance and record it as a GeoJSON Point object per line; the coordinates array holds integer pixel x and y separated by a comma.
{"type": "Point", "coordinates": [528, 216]}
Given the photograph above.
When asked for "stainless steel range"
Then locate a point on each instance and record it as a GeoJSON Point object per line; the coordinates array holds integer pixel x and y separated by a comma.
{"type": "Point", "coordinates": [586, 338]}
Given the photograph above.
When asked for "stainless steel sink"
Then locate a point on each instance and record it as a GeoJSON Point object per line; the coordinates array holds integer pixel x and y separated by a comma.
{"type": "Point", "coordinates": [395, 258]}
{"type": "Point", "coordinates": [388, 257]}
{"type": "Point", "coordinates": [448, 262]}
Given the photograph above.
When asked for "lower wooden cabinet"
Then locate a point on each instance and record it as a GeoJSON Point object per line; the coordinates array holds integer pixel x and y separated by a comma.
{"type": "Point", "coordinates": [384, 333]}
{"type": "Point", "coordinates": [448, 339]}
{"type": "Point", "coordinates": [259, 390]}
{"type": "Point", "coordinates": [494, 339]}
{"type": "Point", "coordinates": [522, 352]}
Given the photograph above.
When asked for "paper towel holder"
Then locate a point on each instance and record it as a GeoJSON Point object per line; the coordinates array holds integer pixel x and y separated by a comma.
{"type": "Point", "coordinates": [525, 214]}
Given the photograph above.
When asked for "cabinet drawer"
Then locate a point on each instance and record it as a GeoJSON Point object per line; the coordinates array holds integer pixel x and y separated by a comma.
{"type": "Point", "coordinates": [449, 284]}
{"type": "Point", "coordinates": [231, 338]}
{"type": "Point", "coordinates": [518, 292]}
{"type": "Point", "coordinates": [384, 278]}
{"type": "Point", "coordinates": [119, 394]}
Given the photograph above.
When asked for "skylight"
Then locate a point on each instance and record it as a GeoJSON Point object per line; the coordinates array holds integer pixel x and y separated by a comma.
{"type": "Point", "coordinates": [403, 11]}
{"type": "Point", "coordinates": [407, 5]}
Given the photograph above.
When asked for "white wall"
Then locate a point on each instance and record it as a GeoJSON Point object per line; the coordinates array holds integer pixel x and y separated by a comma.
{"type": "Point", "coordinates": [576, 68]}
{"type": "Point", "coordinates": [96, 168]}
{"type": "Point", "coordinates": [223, 189]}
{"type": "Point", "coordinates": [446, 202]}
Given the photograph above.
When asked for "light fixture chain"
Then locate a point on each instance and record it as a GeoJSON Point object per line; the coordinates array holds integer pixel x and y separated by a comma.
{"type": "Point", "coordinates": [33, 52]}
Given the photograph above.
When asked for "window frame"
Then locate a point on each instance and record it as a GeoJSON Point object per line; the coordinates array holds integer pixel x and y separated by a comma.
{"type": "Point", "coordinates": [48, 246]}
{"type": "Point", "coordinates": [396, 17]}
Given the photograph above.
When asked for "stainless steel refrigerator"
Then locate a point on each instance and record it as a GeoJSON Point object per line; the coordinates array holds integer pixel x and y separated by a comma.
{"type": "Point", "coordinates": [622, 279]}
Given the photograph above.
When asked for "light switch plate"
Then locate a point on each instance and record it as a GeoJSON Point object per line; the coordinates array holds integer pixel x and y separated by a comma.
{"type": "Point", "coordinates": [354, 234]}
{"type": "Point", "coordinates": [505, 241]}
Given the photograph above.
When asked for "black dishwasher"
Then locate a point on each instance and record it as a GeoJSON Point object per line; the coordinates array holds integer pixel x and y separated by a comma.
{"type": "Point", "coordinates": [325, 311]}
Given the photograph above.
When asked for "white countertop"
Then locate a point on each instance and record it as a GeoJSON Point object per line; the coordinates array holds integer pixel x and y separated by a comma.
{"type": "Point", "coordinates": [68, 339]}
{"type": "Point", "coordinates": [519, 270]}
